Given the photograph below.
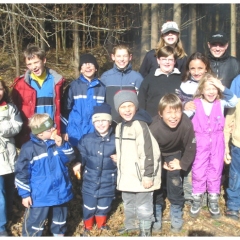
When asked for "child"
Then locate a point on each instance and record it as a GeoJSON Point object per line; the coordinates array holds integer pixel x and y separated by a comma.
{"type": "Point", "coordinates": [196, 67]}
{"type": "Point", "coordinates": [175, 136]}
{"type": "Point", "coordinates": [208, 122]}
{"type": "Point", "coordinates": [42, 178]}
{"type": "Point", "coordinates": [231, 135]}
{"type": "Point", "coordinates": [10, 125]}
{"type": "Point", "coordinates": [38, 91]}
{"type": "Point", "coordinates": [121, 76]}
{"type": "Point", "coordinates": [170, 36]}
{"type": "Point", "coordinates": [138, 161]}
{"type": "Point", "coordinates": [165, 79]}
{"type": "Point", "coordinates": [100, 172]}
{"type": "Point", "coordinates": [79, 99]}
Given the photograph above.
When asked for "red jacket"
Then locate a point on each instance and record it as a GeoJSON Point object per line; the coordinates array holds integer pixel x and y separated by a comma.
{"type": "Point", "coordinates": [24, 97]}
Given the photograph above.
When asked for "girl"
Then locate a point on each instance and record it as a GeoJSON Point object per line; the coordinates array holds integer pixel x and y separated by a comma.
{"type": "Point", "coordinates": [10, 125]}
{"type": "Point", "coordinates": [170, 36]}
{"type": "Point", "coordinates": [208, 123]}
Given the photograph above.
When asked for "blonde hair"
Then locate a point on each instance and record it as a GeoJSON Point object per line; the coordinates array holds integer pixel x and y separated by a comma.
{"type": "Point", "coordinates": [171, 100]}
{"type": "Point", "coordinates": [121, 46]}
{"type": "Point", "coordinates": [37, 119]}
{"type": "Point", "coordinates": [178, 47]}
{"type": "Point", "coordinates": [207, 77]}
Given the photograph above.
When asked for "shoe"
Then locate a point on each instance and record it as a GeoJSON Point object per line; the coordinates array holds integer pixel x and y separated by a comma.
{"type": "Point", "coordinates": [213, 206]}
{"type": "Point", "coordinates": [86, 233]}
{"type": "Point", "coordinates": [125, 230]}
{"type": "Point", "coordinates": [175, 229]}
{"type": "Point", "coordinates": [196, 205]}
{"type": "Point", "coordinates": [232, 214]}
{"type": "Point", "coordinates": [3, 234]}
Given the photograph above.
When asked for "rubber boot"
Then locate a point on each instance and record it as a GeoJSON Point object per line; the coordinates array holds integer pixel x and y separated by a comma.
{"type": "Point", "coordinates": [88, 224]}
{"type": "Point", "coordinates": [213, 206]}
{"type": "Point", "coordinates": [176, 218]}
{"type": "Point", "coordinates": [101, 222]}
{"type": "Point", "coordinates": [145, 228]}
{"type": "Point", "coordinates": [157, 225]}
{"type": "Point", "coordinates": [196, 205]}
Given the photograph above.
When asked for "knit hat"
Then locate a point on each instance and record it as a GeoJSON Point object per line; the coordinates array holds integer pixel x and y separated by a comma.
{"type": "Point", "coordinates": [102, 112]}
{"type": "Point", "coordinates": [47, 124]}
{"type": "Point", "coordinates": [125, 96]}
{"type": "Point", "coordinates": [88, 58]}
{"type": "Point", "coordinates": [169, 26]}
{"type": "Point", "coordinates": [218, 37]}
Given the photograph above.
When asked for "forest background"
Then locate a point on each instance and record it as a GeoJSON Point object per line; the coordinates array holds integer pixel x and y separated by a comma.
{"type": "Point", "coordinates": [67, 30]}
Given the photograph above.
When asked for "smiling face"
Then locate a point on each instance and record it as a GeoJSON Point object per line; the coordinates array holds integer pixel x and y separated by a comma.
{"type": "Point", "coordinates": [197, 69]}
{"type": "Point", "coordinates": [36, 65]}
{"type": "Point", "coordinates": [102, 126]}
{"type": "Point", "coordinates": [210, 92]}
{"type": "Point", "coordinates": [170, 38]}
{"type": "Point", "coordinates": [88, 70]}
{"type": "Point", "coordinates": [121, 58]}
{"type": "Point", "coordinates": [217, 49]}
{"type": "Point", "coordinates": [127, 110]}
{"type": "Point", "coordinates": [166, 63]}
{"type": "Point", "coordinates": [171, 116]}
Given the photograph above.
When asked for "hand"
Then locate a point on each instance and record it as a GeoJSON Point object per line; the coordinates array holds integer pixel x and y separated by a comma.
{"type": "Point", "coordinates": [58, 140]}
{"type": "Point", "coordinates": [114, 157]}
{"type": "Point", "coordinates": [190, 106]}
{"type": "Point", "coordinates": [227, 158]}
{"type": "Point", "coordinates": [27, 202]}
{"type": "Point", "coordinates": [172, 165]}
{"type": "Point", "coordinates": [217, 83]}
{"type": "Point", "coordinates": [147, 184]}
{"type": "Point", "coordinates": [65, 137]}
{"type": "Point", "coordinates": [77, 168]}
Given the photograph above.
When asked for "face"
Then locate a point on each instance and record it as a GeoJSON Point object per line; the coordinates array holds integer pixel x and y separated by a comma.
{"type": "Point", "coordinates": [1, 92]}
{"type": "Point", "coordinates": [166, 63]}
{"type": "Point", "coordinates": [88, 70]}
{"type": "Point", "coordinates": [46, 134]}
{"type": "Point", "coordinates": [36, 65]}
{"type": "Point", "coordinates": [210, 92]}
{"type": "Point", "coordinates": [127, 110]}
{"type": "Point", "coordinates": [102, 126]}
{"type": "Point", "coordinates": [171, 116]}
{"type": "Point", "coordinates": [197, 69]}
{"type": "Point", "coordinates": [121, 58]}
{"type": "Point", "coordinates": [170, 38]}
{"type": "Point", "coordinates": [217, 49]}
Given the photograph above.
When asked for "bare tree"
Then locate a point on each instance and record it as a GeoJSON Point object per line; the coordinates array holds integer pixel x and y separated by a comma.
{"type": "Point", "coordinates": [193, 35]}
{"type": "Point", "coordinates": [154, 25]}
{"type": "Point", "coordinates": [233, 29]}
{"type": "Point", "coordinates": [177, 13]}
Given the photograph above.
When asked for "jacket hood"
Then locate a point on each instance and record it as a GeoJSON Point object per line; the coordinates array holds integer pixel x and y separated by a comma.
{"type": "Point", "coordinates": [142, 115]}
{"type": "Point", "coordinates": [222, 58]}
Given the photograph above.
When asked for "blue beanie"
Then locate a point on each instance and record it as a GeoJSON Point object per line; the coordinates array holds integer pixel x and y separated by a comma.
{"type": "Point", "coordinates": [102, 112]}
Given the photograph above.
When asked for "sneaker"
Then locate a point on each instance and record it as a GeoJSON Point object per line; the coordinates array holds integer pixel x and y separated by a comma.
{"type": "Point", "coordinates": [213, 206]}
{"type": "Point", "coordinates": [232, 214]}
{"type": "Point", "coordinates": [196, 206]}
{"type": "Point", "coordinates": [3, 234]}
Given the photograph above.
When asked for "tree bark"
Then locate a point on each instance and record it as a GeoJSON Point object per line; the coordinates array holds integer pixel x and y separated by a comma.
{"type": "Point", "coordinates": [193, 35]}
{"type": "Point", "coordinates": [177, 14]}
{"type": "Point", "coordinates": [154, 25]}
{"type": "Point", "coordinates": [75, 41]}
{"type": "Point", "coordinates": [233, 29]}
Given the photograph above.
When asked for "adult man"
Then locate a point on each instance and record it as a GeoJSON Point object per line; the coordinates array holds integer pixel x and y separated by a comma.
{"type": "Point", "coordinates": [223, 65]}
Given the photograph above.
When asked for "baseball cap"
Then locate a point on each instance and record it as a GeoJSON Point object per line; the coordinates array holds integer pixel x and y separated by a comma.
{"type": "Point", "coordinates": [169, 26]}
{"type": "Point", "coordinates": [218, 37]}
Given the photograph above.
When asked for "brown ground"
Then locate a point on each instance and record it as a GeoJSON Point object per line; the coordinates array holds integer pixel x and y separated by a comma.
{"type": "Point", "coordinates": [204, 225]}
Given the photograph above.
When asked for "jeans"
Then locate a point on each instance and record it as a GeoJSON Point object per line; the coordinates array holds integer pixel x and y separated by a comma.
{"type": "Point", "coordinates": [233, 190]}
{"type": "Point", "coordinates": [187, 184]}
{"type": "Point", "coordinates": [6, 198]}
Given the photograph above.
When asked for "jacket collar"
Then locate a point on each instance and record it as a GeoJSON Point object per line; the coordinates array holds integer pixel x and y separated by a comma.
{"type": "Point", "coordinates": [159, 72]}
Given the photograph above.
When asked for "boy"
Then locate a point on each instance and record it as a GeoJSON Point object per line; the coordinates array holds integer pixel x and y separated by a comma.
{"type": "Point", "coordinates": [80, 98]}
{"type": "Point", "coordinates": [42, 179]}
{"type": "Point", "coordinates": [138, 162]}
{"type": "Point", "coordinates": [120, 77]}
{"type": "Point", "coordinates": [175, 136]}
{"type": "Point", "coordinates": [38, 91]}
{"type": "Point", "coordinates": [100, 172]}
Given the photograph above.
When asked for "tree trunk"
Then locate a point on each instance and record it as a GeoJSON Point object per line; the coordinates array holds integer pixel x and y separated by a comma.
{"type": "Point", "coordinates": [15, 40]}
{"type": "Point", "coordinates": [145, 33]}
{"type": "Point", "coordinates": [233, 29]}
{"type": "Point", "coordinates": [193, 35]}
{"type": "Point", "coordinates": [177, 13]}
{"type": "Point", "coordinates": [75, 41]}
{"type": "Point", "coordinates": [84, 28]}
{"type": "Point", "coordinates": [154, 25]}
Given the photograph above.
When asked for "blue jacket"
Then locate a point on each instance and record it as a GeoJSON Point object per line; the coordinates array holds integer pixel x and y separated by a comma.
{"type": "Point", "coordinates": [79, 100]}
{"type": "Point", "coordinates": [41, 172]}
{"type": "Point", "coordinates": [115, 80]}
{"type": "Point", "coordinates": [100, 172]}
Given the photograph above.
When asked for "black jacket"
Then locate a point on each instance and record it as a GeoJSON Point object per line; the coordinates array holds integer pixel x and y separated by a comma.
{"type": "Point", "coordinates": [226, 67]}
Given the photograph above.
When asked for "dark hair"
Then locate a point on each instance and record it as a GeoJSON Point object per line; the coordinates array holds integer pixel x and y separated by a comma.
{"type": "Point", "coordinates": [6, 96]}
{"type": "Point", "coordinates": [33, 51]}
{"type": "Point", "coordinates": [165, 52]}
{"type": "Point", "coordinates": [194, 56]}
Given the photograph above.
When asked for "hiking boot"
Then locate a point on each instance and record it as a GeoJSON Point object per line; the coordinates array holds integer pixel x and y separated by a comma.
{"type": "Point", "coordinates": [213, 206]}
{"type": "Point", "coordinates": [196, 205]}
{"type": "Point", "coordinates": [232, 214]}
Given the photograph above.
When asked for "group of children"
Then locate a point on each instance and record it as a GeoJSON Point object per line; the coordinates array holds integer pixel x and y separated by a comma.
{"type": "Point", "coordinates": [149, 138]}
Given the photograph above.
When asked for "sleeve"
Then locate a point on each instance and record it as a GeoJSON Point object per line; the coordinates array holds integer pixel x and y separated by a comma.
{"type": "Point", "coordinates": [230, 99]}
{"type": "Point", "coordinates": [145, 66]}
{"type": "Point", "coordinates": [145, 149]}
{"type": "Point", "coordinates": [23, 172]}
{"type": "Point", "coordinates": [11, 126]}
{"type": "Point", "coordinates": [189, 143]}
{"type": "Point", "coordinates": [66, 152]}
{"type": "Point", "coordinates": [235, 86]}
{"type": "Point", "coordinates": [83, 151]}
{"type": "Point", "coordinates": [142, 94]}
